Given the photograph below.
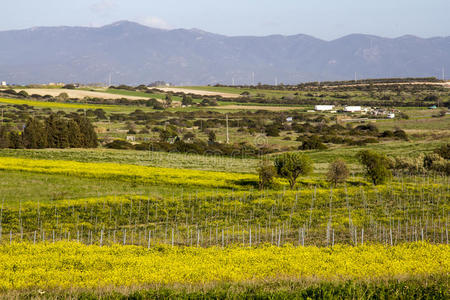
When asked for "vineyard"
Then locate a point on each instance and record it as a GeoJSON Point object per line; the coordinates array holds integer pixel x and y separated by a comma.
{"type": "Point", "coordinates": [397, 213]}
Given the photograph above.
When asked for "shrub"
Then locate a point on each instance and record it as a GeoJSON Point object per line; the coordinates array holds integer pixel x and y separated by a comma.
{"type": "Point", "coordinates": [400, 134]}
{"type": "Point", "coordinates": [119, 144]}
{"type": "Point", "coordinates": [409, 165]}
{"type": "Point", "coordinates": [376, 166]}
{"type": "Point", "coordinates": [337, 172]}
{"type": "Point", "coordinates": [266, 172]}
{"type": "Point", "coordinates": [272, 130]}
{"type": "Point", "coordinates": [434, 162]}
{"type": "Point", "coordinates": [443, 151]}
{"type": "Point", "coordinates": [69, 86]}
{"type": "Point", "coordinates": [312, 143]}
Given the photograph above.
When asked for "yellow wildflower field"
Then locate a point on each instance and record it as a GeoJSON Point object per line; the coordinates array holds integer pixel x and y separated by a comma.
{"type": "Point", "coordinates": [144, 174]}
{"type": "Point", "coordinates": [72, 265]}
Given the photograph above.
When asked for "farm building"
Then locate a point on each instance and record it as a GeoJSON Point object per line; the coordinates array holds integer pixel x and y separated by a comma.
{"type": "Point", "coordinates": [391, 116]}
{"type": "Point", "coordinates": [323, 107]}
{"type": "Point", "coordinates": [4, 83]}
{"type": "Point", "coordinates": [353, 109]}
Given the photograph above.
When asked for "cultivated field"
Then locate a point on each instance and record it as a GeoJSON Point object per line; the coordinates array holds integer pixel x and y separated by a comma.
{"type": "Point", "coordinates": [170, 202]}
{"type": "Point", "coordinates": [80, 94]}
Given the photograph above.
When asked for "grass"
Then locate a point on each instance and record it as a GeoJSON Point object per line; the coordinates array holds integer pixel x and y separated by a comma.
{"type": "Point", "coordinates": [141, 158]}
{"type": "Point", "coordinates": [57, 105]}
{"type": "Point", "coordinates": [160, 96]}
{"type": "Point", "coordinates": [393, 148]}
{"type": "Point", "coordinates": [47, 188]}
{"type": "Point", "coordinates": [405, 288]}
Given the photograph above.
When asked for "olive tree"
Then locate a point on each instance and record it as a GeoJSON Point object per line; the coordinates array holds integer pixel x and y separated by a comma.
{"type": "Point", "coordinates": [376, 166]}
{"type": "Point", "coordinates": [291, 165]}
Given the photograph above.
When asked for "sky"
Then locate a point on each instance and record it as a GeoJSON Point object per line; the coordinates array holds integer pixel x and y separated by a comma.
{"type": "Point", "coordinates": [325, 19]}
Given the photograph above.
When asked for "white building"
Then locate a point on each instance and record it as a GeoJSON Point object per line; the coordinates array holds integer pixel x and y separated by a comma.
{"type": "Point", "coordinates": [391, 116]}
{"type": "Point", "coordinates": [353, 109]}
{"type": "Point", "coordinates": [323, 107]}
{"type": "Point", "coordinates": [4, 83]}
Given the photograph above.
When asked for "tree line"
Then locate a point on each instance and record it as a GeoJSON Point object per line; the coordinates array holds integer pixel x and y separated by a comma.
{"type": "Point", "coordinates": [52, 132]}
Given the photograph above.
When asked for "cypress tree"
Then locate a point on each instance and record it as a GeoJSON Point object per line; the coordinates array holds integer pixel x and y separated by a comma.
{"type": "Point", "coordinates": [88, 134]}
{"type": "Point", "coordinates": [62, 133]}
{"type": "Point", "coordinates": [15, 140]}
{"type": "Point", "coordinates": [74, 134]}
{"type": "Point", "coordinates": [51, 129]}
{"type": "Point", "coordinates": [34, 135]}
{"type": "Point", "coordinates": [4, 137]}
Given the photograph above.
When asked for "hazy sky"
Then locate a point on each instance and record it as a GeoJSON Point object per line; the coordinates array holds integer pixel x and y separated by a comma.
{"type": "Point", "coordinates": [326, 19]}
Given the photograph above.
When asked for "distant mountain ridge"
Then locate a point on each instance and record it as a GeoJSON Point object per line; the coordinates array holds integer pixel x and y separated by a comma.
{"type": "Point", "coordinates": [133, 54]}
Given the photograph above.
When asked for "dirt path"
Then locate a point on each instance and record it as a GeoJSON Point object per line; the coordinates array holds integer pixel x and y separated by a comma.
{"type": "Point", "coordinates": [199, 92]}
{"type": "Point", "coordinates": [78, 94]}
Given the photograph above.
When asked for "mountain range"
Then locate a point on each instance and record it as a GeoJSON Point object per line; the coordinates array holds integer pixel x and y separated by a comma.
{"type": "Point", "coordinates": [129, 53]}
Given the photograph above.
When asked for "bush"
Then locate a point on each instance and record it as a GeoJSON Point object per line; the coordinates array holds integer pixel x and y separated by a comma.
{"type": "Point", "coordinates": [266, 172]}
{"type": "Point", "coordinates": [23, 94]}
{"type": "Point", "coordinates": [337, 172]}
{"type": "Point", "coordinates": [409, 165]}
{"type": "Point", "coordinates": [312, 143]}
{"type": "Point", "coordinates": [119, 144]}
{"type": "Point", "coordinates": [69, 86]}
{"type": "Point", "coordinates": [443, 151]}
{"type": "Point", "coordinates": [434, 162]}
{"type": "Point", "coordinates": [376, 166]}
{"type": "Point", "coordinates": [291, 165]}
{"type": "Point", "coordinates": [272, 130]}
{"type": "Point", "coordinates": [400, 134]}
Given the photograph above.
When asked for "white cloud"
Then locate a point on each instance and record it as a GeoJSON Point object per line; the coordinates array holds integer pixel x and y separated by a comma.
{"type": "Point", "coordinates": [103, 7]}
{"type": "Point", "coordinates": [154, 22]}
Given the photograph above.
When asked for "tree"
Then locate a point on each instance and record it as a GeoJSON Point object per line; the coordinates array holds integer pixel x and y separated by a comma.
{"type": "Point", "coordinates": [4, 137]}
{"type": "Point", "coordinates": [293, 164]}
{"type": "Point", "coordinates": [375, 165]}
{"type": "Point", "coordinates": [266, 172]}
{"type": "Point", "coordinates": [168, 100]}
{"type": "Point", "coordinates": [272, 130]}
{"type": "Point", "coordinates": [34, 135]}
{"type": "Point", "coordinates": [211, 137]}
{"type": "Point", "coordinates": [312, 143]}
{"type": "Point", "coordinates": [62, 97]}
{"type": "Point", "coordinates": [69, 86]}
{"type": "Point", "coordinates": [74, 135]}
{"type": "Point", "coordinates": [187, 100]}
{"type": "Point", "coordinates": [51, 129]}
{"type": "Point", "coordinates": [88, 134]}
{"type": "Point", "coordinates": [23, 94]}
{"type": "Point", "coordinates": [15, 140]}
{"type": "Point", "coordinates": [337, 172]}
